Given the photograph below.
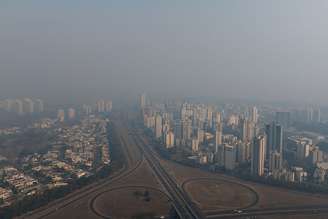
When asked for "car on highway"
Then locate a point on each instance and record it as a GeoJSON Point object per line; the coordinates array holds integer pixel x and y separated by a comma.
{"type": "Point", "coordinates": [237, 211]}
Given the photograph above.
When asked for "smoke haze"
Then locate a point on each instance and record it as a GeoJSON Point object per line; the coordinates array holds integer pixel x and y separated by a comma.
{"type": "Point", "coordinates": [70, 50]}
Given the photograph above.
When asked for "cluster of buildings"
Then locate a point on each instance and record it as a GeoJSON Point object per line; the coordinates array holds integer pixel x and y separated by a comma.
{"type": "Point", "coordinates": [101, 106]}
{"type": "Point", "coordinates": [17, 183]}
{"type": "Point", "coordinates": [10, 131]}
{"type": "Point", "coordinates": [51, 170]}
{"type": "Point", "coordinates": [231, 137]}
{"type": "Point", "coordinates": [305, 115]}
{"type": "Point", "coordinates": [70, 114]}
{"type": "Point", "coordinates": [77, 151]}
{"type": "Point", "coordinates": [5, 195]}
{"type": "Point", "coordinates": [85, 141]}
{"type": "Point", "coordinates": [308, 153]}
{"type": "Point", "coordinates": [45, 123]}
{"type": "Point", "coordinates": [198, 129]}
{"type": "Point", "coordinates": [305, 149]}
{"type": "Point", "coordinates": [24, 106]}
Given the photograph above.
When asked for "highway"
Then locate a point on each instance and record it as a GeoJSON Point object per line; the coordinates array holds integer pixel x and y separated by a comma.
{"type": "Point", "coordinates": [136, 149]}
{"type": "Point", "coordinates": [267, 212]}
{"type": "Point", "coordinates": [186, 209]}
{"type": "Point", "coordinates": [133, 161]}
{"type": "Point", "coordinates": [181, 202]}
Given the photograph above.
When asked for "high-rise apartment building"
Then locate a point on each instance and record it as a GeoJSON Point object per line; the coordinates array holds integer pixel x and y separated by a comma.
{"type": "Point", "coordinates": [253, 115]}
{"type": "Point", "coordinates": [218, 136]}
{"type": "Point", "coordinates": [302, 150]}
{"type": "Point", "coordinates": [247, 130]}
{"type": "Point", "coordinates": [200, 135]}
{"type": "Point", "coordinates": [218, 117]}
{"type": "Point", "coordinates": [61, 115]}
{"type": "Point", "coordinates": [258, 155]}
{"type": "Point", "coordinates": [194, 145]}
{"type": "Point", "coordinates": [186, 129]}
{"type": "Point", "coordinates": [230, 155]}
{"type": "Point", "coordinates": [108, 106]}
{"type": "Point", "coordinates": [100, 106]}
{"type": "Point", "coordinates": [38, 106]}
{"type": "Point", "coordinates": [274, 133]}
{"type": "Point", "coordinates": [243, 151]}
{"type": "Point", "coordinates": [17, 107]}
{"type": "Point", "coordinates": [209, 118]}
{"type": "Point", "coordinates": [28, 106]}
{"type": "Point", "coordinates": [178, 132]}
{"type": "Point", "coordinates": [169, 139]}
{"type": "Point", "coordinates": [71, 113]}
{"type": "Point", "coordinates": [87, 109]}
{"type": "Point", "coordinates": [275, 161]}
{"type": "Point", "coordinates": [220, 155]}
{"type": "Point", "coordinates": [143, 101]}
{"type": "Point", "coordinates": [158, 126]}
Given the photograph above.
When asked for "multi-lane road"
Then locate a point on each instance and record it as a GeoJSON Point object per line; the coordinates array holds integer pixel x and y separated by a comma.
{"type": "Point", "coordinates": [135, 149]}
{"type": "Point", "coordinates": [133, 159]}
{"type": "Point", "coordinates": [187, 209]}
{"type": "Point", "coordinates": [313, 210]}
{"type": "Point", "coordinates": [181, 202]}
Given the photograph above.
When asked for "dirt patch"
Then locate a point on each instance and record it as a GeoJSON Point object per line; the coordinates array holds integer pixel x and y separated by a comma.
{"type": "Point", "coordinates": [269, 196]}
{"type": "Point", "coordinates": [210, 194]}
{"type": "Point", "coordinates": [132, 202]}
{"type": "Point", "coordinates": [323, 216]}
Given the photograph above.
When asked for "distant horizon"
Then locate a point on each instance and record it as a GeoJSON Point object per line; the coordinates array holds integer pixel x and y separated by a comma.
{"type": "Point", "coordinates": [70, 51]}
{"type": "Point", "coordinates": [203, 99]}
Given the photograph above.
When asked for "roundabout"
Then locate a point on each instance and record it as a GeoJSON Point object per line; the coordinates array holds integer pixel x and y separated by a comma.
{"type": "Point", "coordinates": [131, 202]}
{"type": "Point", "coordinates": [215, 194]}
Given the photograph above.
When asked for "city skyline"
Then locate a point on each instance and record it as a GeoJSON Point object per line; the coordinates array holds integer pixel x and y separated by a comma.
{"type": "Point", "coordinates": [274, 146]}
{"type": "Point", "coordinates": [163, 109]}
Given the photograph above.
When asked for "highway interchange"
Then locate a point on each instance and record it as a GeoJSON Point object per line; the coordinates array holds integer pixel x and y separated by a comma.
{"type": "Point", "coordinates": [182, 204]}
{"type": "Point", "coordinates": [136, 151]}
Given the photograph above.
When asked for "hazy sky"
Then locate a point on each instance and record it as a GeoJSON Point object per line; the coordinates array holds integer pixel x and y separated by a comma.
{"type": "Point", "coordinates": [76, 49]}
